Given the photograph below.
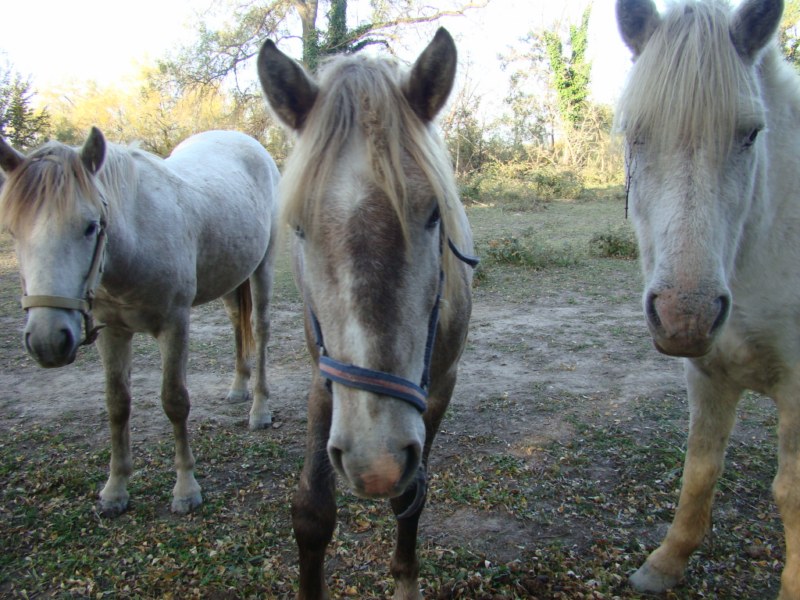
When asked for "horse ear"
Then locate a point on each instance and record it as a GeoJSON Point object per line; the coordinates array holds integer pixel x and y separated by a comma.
{"type": "Point", "coordinates": [289, 90]}
{"type": "Point", "coordinates": [93, 151]}
{"type": "Point", "coordinates": [637, 20]}
{"type": "Point", "coordinates": [753, 25]}
{"type": "Point", "coordinates": [10, 159]}
{"type": "Point", "coordinates": [431, 78]}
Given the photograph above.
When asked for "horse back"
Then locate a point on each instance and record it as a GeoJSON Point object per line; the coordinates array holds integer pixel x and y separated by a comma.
{"type": "Point", "coordinates": [221, 188]}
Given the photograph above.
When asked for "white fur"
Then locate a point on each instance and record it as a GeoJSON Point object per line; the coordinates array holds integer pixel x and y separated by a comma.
{"type": "Point", "coordinates": [716, 216]}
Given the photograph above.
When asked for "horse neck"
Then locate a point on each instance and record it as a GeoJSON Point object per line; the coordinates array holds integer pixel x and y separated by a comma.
{"type": "Point", "coordinates": [118, 181]}
{"type": "Point", "coordinates": [775, 206]}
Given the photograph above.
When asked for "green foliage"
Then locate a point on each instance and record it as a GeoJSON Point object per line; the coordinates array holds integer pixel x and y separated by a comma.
{"type": "Point", "coordinates": [464, 133]}
{"type": "Point", "coordinates": [570, 73]}
{"type": "Point", "coordinates": [789, 32]}
{"type": "Point", "coordinates": [24, 127]}
{"type": "Point", "coordinates": [619, 242]}
{"type": "Point", "coordinates": [527, 250]}
{"type": "Point", "coordinates": [521, 185]}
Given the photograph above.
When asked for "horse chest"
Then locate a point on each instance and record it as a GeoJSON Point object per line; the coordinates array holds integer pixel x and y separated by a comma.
{"type": "Point", "coordinates": [747, 359]}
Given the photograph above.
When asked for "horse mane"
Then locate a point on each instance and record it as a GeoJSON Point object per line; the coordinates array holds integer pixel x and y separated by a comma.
{"type": "Point", "coordinates": [363, 95]}
{"type": "Point", "coordinates": [52, 178]}
{"type": "Point", "coordinates": [687, 86]}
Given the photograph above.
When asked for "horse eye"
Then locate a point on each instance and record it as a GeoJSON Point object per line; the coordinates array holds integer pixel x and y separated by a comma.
{"type": "Point", "coordinates": [751, 138]}
{"type": "Point", "coordinates": [433, 220]}
{"type": "Point", "coordinates": [91, 230]}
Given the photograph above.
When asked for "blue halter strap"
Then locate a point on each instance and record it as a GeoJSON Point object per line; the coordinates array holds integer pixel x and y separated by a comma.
{"type": "Point", "coordinates": [379, 382]}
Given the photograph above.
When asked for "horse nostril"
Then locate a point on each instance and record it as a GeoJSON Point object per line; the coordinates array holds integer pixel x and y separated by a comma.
{"type": "Point", "coordinates": [724, 304]}
{"type": "Point", "coordinates": [67, 342]}
{"type": "Point", "coordinates": [413, 453]}
{"type": "Point", "coordinates": [651, 312]}
{"type": "Point", "coordinates": [335, 455]}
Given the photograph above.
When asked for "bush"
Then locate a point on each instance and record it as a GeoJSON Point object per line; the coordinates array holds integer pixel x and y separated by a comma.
{"type": "Point", "coordinates": [520, 186]}
{"type": "Point", "coordinates": [529, 252]}
{"type": "Point", "coordinates": [614, 243]}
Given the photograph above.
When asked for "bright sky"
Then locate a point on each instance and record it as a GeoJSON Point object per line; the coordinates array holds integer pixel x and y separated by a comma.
{"type": "Point", "coordinates": [56, 42]}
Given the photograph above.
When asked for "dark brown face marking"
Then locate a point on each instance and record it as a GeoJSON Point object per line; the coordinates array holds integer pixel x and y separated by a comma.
{"type": "Point", "coordinates": [376, 247]}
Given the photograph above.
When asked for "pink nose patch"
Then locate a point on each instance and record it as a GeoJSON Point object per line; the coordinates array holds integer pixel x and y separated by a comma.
{"type": "Point", "coordinates": [383, 476]}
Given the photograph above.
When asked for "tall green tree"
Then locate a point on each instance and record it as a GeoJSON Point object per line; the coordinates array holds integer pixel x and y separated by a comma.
{"type": "Point", "coordinates": [571, 69]}
{"type": "Point", "coordinates": [220, 52]}
{"type": "Point", "coordinates": [22, 125]}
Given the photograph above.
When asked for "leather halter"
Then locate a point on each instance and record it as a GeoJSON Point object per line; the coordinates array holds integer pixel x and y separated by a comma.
{"type": "Point", "coordinates": [84, 303]}
{"type": "Point", "coordinates": [379, 382]}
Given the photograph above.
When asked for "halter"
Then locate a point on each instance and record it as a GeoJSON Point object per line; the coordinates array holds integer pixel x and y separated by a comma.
{"type": "Point", "coordinates": [84, 303]}
{"type": "Point", "coordinates": [380, 382]}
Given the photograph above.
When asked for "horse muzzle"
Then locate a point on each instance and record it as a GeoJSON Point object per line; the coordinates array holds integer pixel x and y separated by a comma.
{"type": "Point", "coordinates": [685, 324]}
{"type": "Point", "coordinates": [383, 474]}
{"type": "Point", "coordinates": [375, 443]}
{"type": "Point", "coordinates": [52, 336]}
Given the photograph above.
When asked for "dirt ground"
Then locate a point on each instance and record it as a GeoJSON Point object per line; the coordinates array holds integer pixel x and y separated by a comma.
{"type": "Point", "coordinates": [531, 360]}
{"type": "Point", "coordinates": [556, 363]}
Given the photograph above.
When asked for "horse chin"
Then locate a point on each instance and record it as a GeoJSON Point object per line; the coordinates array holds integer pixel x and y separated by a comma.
{"type": "Point", "coordinates": [360, 492]}
{"type": "Point", "coordinates": [683, 350]}
{"type": "Point", "coordinates": [54, 362]}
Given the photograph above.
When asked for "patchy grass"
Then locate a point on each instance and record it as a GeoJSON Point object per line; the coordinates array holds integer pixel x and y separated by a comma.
{"type": "Point", "coordinates": [593, 502]}
{"type": "Point", "coordinates": [574, 514]}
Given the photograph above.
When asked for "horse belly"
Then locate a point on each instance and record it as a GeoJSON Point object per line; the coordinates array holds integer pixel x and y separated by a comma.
{"type": "Point", "coordinates": [227, 263]}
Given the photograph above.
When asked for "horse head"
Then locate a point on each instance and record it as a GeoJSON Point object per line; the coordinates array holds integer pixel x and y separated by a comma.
{"type": "Point", "coordinates": [367, 190]}
{"type": "Point", "coordinates": [54, 211]}
{"type": "Point", "coordinates": [693, 121]}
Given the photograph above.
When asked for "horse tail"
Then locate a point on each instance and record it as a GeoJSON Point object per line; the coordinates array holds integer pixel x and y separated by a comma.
{"type": "Point", "coordinates": [245, 324]}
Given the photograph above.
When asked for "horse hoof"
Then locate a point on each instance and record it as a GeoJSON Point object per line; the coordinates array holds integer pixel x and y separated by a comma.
{"type": "Point", "coordinates": [182, 506]}
{"type": "Point", "coordinates": [112, 509]}
{"type": "Point", "coordinates": [648, 579]}
{"type": "Point", "coordinates": [237, 397]}
{"type": "Point", "coordinates": [260, 421]}
{"type": "Point", "coordinates": [407, 590]}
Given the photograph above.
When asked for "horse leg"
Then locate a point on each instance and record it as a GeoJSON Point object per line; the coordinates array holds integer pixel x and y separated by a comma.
{"type": "Point", "coordinates": [238, 391]}
{"type": "Point", "coordinates": [405, 565]}
{"type": "Point", "coordinates": [786, 488]}
{"type": "Point", "coordinates": [261, 289]}
{"type": "Point", "coordinates": [712, 405]}
{"type": "Point", "coordinates": [173, 343]}
{"type": "Point", "coordinates": [115, 351]}
{"type": "Point", "coordinates": [314, 503]}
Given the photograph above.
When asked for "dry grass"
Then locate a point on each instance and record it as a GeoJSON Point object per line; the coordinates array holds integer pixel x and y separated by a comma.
{"type": "Point", "coordinates": [513, 512]}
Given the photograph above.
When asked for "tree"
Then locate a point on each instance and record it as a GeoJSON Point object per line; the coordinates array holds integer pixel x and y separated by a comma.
{"type": "Point", "coordinates": [789, 32]}
{"type": "Point", "coordinates": [24, 127]}
{"type": "Point", "coordinates": [530, 98]}
{"type": "Point", "coordinates": [220, 53]}
{"type": "Point", "coordinates": [570, 70]}
{"type": "Point", "coordinates": [151, 110]}
{"type": "Point", "coordinates": [463, 130]}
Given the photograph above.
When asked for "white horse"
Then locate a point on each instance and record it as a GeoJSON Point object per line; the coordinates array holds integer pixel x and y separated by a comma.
{"type": "Point", "coordinates": [711, 117]}
{"type": "Point", "coordinates": [183, 231]}
{"type": "Point", "coordinates": [380, 230]}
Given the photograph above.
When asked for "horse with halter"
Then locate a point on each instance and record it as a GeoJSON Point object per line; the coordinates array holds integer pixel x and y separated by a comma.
{"type": "Point", "coordinates": [380, 255]}
{"type": "Point", "coordinates": [115, 235]}
{"type": "Point", "coordinates": [711, 118]}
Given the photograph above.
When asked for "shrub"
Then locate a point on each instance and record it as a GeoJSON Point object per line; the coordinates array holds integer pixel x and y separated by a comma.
{"type": "Point", "coordinates": [528, 252]}
{"type": "Point", "coordinates": [614, 243]}
{"type": "Point", "coordinates": [520, 186]}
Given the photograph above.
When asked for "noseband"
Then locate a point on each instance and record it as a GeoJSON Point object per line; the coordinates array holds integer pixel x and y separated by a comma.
{"type": "Point", "coordinates": [380, 382]}
{"type": "Point", "coordinates": [83, 304]}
